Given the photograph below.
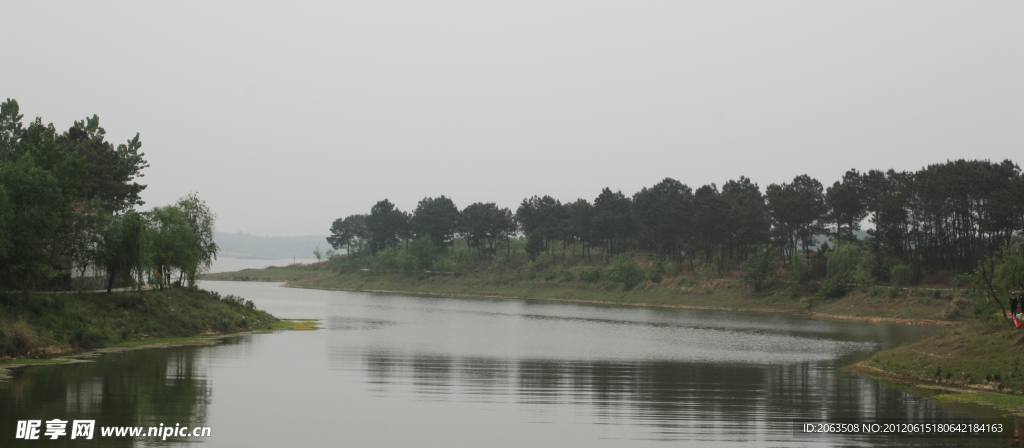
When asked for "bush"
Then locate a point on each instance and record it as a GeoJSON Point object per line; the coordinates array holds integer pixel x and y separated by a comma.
{"type": "Point", "coordinates": [423, 253]}
{"type": "Point", "coordinates": [534, 246]}
{"type": "Point", "coordinates": [901, 275]}
{"type": "Point", "coordinates": [833, 287]}
{"type": "Point", "coordinates": [799, 271]}
{"type": "Point", "coordinates": [843, 266]}
{"type": "Point", "coordinates": [707, 271]}
{"type": "Point", "coordinates": [757, 268]}
{"type": "Point", "coordinates": [591, 275]}
{"type": "Point", "coordinates": [657, 272]}
{"type": "Point", "coordinates": [628, 273]}
{"type": "Point", "coordinates": [551, 274]}
{"type": "Point", "coordinates": [568, 275]}
{"type": "Point", "coordinates": [20, 336]}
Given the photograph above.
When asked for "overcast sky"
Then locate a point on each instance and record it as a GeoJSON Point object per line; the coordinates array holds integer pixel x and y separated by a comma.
{"type": "Point", "coordinates": [285, 116]}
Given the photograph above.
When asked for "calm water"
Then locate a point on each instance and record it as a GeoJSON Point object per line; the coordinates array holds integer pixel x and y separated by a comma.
{"type": "Point", "coordinates": [401, 371]}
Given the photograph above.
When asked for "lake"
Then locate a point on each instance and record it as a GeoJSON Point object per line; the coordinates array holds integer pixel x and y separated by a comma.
{"type": "Point", "coordinates": [402, 371]}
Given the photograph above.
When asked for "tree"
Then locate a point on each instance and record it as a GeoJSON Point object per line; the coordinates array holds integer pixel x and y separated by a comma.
{"type": "Point", "coordinates": [386, 226]}
{"type": "Point", "coordinates": [180, 237]}
{"type": "Point", "coordinates": [613, 221]}
{"type": "Point", "coordinates": [170, 243]}
{"type": "Point", "coordinates": [709, 214]}
{"type": "Point", "coordinates": [810, 209]}
{"type": "Point", "coordinates": [796, 210]}
{"type": "Point", "coordinates": [847, 204]}
{"type": "Point", "coordinates": [746, 219]}
{"type": "Point", "coordinates": [109, 172]}
{"type": "Point", "coordinates": [579, 223]}
{"type": "Point", "coordinates": [423, 251]}
{"type": "Point", "coordinates": [437, 219]}
{"type": "Point", "coordinates": [11, 130]}
{"type": "Point", "coordinates": [484, 224]}
{"type": "Point", "coordinates": [757, 268]}
{"type": "Point", "coordinates": [346, 232]}
{"type": "Point", "coordinates": [120, 251]}
{"type": "Point", "coordinates": [31, 210]}
{"type": "Point", "coordinates": [202, 222]}
{"type": "Point", "coordinates": [664, 213]}
{"type": "Point", "coordinates": [543, 218]}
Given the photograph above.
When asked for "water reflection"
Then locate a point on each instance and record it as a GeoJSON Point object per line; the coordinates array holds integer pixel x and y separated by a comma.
{"type": "Point", "coordinates": [391, 370]}
{"type": "Point", "coordinates": [142, 388]}
{"type": "Point", "coordinates": [678, 402]}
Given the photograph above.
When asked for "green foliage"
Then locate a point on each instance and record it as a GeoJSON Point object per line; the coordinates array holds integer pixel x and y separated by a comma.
{"type": "Point", "coordinates": [443, 265]}
{"type": "Point", "coordinates": [833, 287]}
{"type": "Point", "coordinates": [568, 275]}
{"type": "Point", "coordinates": [121, 250]}
{"type": "Point", "coordinates": [627, 272]}
{"type": "Point", "coordinates": [757, 269]}
{"type": "Point", "coordinates": [386, 226]}
{"type": "Point", "coordinates": [657, 272]}
{"type": "Point", "coordinates": [900, 275]}
{"type": "Point", "coordinates": [864, 274]}
{"type": "Point", "coordinates": [180, 237]}
{"type": "Point", "coordinates": [799, 271]}
{"type": "Point", "coordinates": [32, 207]}
{"type": "Point", "coordinates": [534, 246]}
{"type": "Point", "coordinates": [552, 274]}
{"type": "Point", "coordinates": [842, 264]}
{"type": "Point", "coordinates": [1009, 272]}
{"type": "Point", "coordinates": [592, 275]}
{"type": "Point", "coordinates": [707, 271]}
{"type": "Point", "coordinates": [423, 252]}
{"type": "Point", "coordinates": [499, 264]}
{"type": "Point", "coordinates": [33, 320]}
{"type": "Point", "coordinates": [386, 259]}
{"type": "Point", "coordinates": [437, 219]}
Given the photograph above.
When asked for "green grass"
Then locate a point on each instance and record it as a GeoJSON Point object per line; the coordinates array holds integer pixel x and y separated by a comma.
{"type": "Point", "coordinates": [296, 325]}
{"type": "Point", "coordinates": [987, 354]}
{"type": "Point", "coordinates": [56, 324]}
{"type": "Point", "coordinates": [1013, 403]}
{"type": "Point", "coordinates": [174, 341]}
{"type": "Point", "coordinates": [270, 274]}
{"type": "Point", "coordinates": [554, 280]}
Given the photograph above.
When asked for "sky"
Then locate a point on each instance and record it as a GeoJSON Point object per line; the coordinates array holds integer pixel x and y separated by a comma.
{"type": "Point", "coordinates": [284, 116]}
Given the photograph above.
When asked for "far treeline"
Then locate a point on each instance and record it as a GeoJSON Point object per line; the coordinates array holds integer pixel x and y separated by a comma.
{"type": "Point", "coordinates": [936, 224]}
{"type": "Point", "coordinates": [67, 209]}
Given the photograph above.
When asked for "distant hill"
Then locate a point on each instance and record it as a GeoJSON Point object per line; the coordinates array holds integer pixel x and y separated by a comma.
{"type": "Point", "coordinates": [244, 245]}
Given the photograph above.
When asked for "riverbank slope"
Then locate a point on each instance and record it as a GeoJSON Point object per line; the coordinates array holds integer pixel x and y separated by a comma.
{"type": "Point", "coordinates": [981, 355]}
{"type": "Point", "coordinates": [906, 305]}
{"type": "Point", "coordinates": [40, 325]}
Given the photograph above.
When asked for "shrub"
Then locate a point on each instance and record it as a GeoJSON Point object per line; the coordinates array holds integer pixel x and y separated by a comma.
{"type": "Point", "coordinates": [551, 274]}
{"type": "Point", "coordinates": [833, 287]}
{"type": "Point", "coordinates": [757, 268]}
{"type": "Point", "coordinates": [21, 336]}
{"type": "Point", "coordinates": [707, 271]}
{"type": "Point", "coordinates": [628, 273]}
{"type": "Point", "coordinates": [423, 253]}
{"type": "Point", "coordinates": [843, 266]}
{"type": "Point", "coordinates": [568, 275]}
{"type": "Point", "coordinates": [591, 275]}
{"type": "Point", "coordinates": [657, 272]}
{"type": "Point", "coordinates": [900, 275]}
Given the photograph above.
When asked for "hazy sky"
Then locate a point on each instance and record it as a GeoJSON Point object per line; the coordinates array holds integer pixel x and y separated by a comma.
{"type": "Point", "coordinates": [284, 116]}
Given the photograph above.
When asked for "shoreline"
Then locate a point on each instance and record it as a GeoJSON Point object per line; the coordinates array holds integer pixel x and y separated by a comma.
{"type": "Point", "coordinates": [946, 391]}
{"type": "Point", "coordinates": [809, 314]}
{"type": "Point", "coordinates": [59, 356]}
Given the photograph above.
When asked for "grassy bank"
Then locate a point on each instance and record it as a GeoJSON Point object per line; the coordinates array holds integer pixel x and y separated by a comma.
{"type": "Point", "coordinates": [983, 362]}
{"type": "Point", "coordinates": [43, 325]}
{"type": "Point", "coordinates": [559, 282]}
